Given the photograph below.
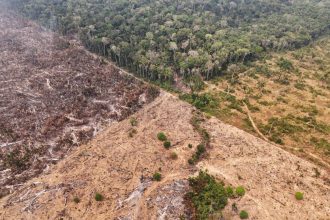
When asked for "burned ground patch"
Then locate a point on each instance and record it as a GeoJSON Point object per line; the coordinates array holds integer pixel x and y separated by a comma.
{"type": "Point", "coordinates": [53, 96]}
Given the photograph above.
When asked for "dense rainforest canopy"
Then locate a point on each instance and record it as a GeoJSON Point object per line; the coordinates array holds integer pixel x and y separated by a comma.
{"type": "Point", "coordinates": [163, 39]}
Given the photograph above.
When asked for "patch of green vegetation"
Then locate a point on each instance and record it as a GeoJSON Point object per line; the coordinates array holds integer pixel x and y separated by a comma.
{"type": "Point", "coordinates": [210, 103]}
{"type": "Point", "coordinates": [317, 92]}
{"type": "Point", "coordinates": [99, 197]}
{"type": "Point", "coordinates": [202, 102]}
{"type": "Point", "coordinates": [243, 214]}
{"type": "Point", "coordinates": [310, 109]}
{"type": "Point", "coordinates": [283, 125]}
{"type": "Point", "coordinates": [277, 128]}
{"type": "Point", "coordinates": [321, 143]}
{"type": "Point", "coordinates": [233, 102]}
{"type": "Point", "coordinates": [205, 136]}
{"type": "Point", "coordinates": [201, 148]}
{"type": "Point", "coordinates": [251, 107]}
{"type": "Point", "coordinates": [167, 144]}
{"type": "Point", "coordinates": [276, 139]}
{"type": "Point", "coordinates": [207, 196]}
{"type": "Point", "coordinates": [285, 64]}
{"type": "Point", "coordinates": [157, 176]}
{"type": "Point", "coordinates": [300, 85]}
{"type": "Point", "coordinates": [161, 136]}
{"type": "Point", "coordinates": [195, 83]}
{"type": "Point", "coordinates": [229, 191]}
{"type": "Point", "coordinates": [309, 122]}
{"type": "Point", "coordinates": [240, 191]}
{"type": "Point", "coordinates": [299, 195]}
{"type": "Point", "coordinates": [265, 103]}
{"type": "Point", "coordinates": [197, 155]}
{"type": "Point", "coordinates": [263, 70]}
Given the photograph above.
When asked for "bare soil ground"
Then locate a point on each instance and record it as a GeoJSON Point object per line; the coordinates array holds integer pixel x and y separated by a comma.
{"type": "Point", "coordinates": [270, 174]}
{"type": "Point", "coordinates": [53, 96]}
{"type": "Point", "coordinates": [120, 168]}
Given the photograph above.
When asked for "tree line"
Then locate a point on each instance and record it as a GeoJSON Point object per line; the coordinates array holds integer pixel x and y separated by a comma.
{"type": "Point", "coordinates": [163, 39]}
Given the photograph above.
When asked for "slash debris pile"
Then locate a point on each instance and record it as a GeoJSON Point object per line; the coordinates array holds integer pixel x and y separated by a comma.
{"type": "Point", "coordinates": [53, 96]}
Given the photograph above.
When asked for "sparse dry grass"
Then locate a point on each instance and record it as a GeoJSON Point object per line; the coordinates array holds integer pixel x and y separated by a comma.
{"type": "Point", "coordinates": [288, 96]}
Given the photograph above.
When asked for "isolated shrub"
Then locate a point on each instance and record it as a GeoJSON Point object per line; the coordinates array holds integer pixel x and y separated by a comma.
{"type": "Point", "coordinates": [205, 135]}
{"type": "Point", "coordinates": [132, 132]}
{"type": "Point", "coordinates": [174, 156]}
{"type": "Point", "coordinates": [133, 121]}
{"type": "Point", "coordinates": [229, 191]}
{"type": "Point", "coordinates": [76, 199]}
{"type": "Point", "coordinates": [243, 214]}
{"type": "Point", "coordinates": [191, 161]}
{"type": "Point", "coordinates": [190, 145]}
{"type": "Point", "coordinates": [167, 144]}
{"type": "Point", "coordinates": [157, 176]}
{"type": "Point", "coordinates": [200, 150]}
{"type": "Point", "coordinates": [161, 136]}
{"type": "Point", "coordinates": [98, 197]}
{"type": "Point", "coordinates": [299, 196]}
{"type": "Point", "coordinates": [240, 191]}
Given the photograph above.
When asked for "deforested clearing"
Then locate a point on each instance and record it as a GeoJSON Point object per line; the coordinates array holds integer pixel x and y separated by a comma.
{"type": "Point", "coordinates": [54, 95]}
{"type": "Point", "coordinates": [83, 139]}
{"type": "Point", "coordinates": [122, 168]}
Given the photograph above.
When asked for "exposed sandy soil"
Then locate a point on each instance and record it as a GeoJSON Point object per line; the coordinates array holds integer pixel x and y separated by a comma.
{"type": "Point", "coordinates": [53, 96]}
{"type": "Point", "coordinates": [120, 168]}
{"type": "Point", "coordinates": [271, 175]}
{"type": "Point", "coordinates": [117, 166]}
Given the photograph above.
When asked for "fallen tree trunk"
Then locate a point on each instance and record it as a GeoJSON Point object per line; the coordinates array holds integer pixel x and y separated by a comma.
{"type": "Point", "coordinates": [252, 122]}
